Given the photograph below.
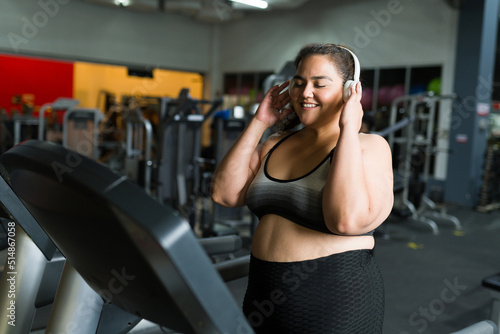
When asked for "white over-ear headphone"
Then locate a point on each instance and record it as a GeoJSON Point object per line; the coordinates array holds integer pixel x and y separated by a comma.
{"type": "Point", "coordinates": [350, 83]}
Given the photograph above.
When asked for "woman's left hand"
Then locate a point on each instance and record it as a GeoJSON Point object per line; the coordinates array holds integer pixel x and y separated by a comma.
{"type": "Point", "coordinates": [352, 113]}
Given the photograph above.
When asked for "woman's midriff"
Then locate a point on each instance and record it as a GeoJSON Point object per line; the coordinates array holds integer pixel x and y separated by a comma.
{"type": "Point", "coordinates": [279, 240]}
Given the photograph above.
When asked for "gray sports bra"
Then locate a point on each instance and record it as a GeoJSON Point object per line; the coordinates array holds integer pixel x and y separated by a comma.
{"type": "Point", "coordinates": [298, 200]}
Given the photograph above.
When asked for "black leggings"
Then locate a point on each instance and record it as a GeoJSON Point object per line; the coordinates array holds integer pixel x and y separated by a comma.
{"type": "Point", "coordinates": [340, 293]}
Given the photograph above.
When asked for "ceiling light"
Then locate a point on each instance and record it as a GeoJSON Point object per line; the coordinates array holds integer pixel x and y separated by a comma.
{"type": "Point", "coordinates": [122, 2]}
{"type": "Point", "coordinates": [254, 3]}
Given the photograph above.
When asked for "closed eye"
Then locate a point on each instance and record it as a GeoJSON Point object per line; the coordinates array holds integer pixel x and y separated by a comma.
{"type": "Point", "coordinates": [303, 84]}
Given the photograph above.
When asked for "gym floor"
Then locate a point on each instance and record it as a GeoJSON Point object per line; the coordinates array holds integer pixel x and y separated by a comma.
{"type": "Point", "coordinates": [432, 282]}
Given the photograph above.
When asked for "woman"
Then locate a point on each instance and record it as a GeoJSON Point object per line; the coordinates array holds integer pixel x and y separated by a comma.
{"type": "Point", "coordinates": [319, 193]}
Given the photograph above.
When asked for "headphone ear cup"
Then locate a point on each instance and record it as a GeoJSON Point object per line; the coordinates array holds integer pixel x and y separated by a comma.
{"type": "Point", "coordinates": [347, 89]}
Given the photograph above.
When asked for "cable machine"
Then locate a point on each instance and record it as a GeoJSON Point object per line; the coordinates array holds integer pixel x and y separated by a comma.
{"type": "Point", "coordinates": [414, 145]}
{"type": "Point", "coordinates": [179, 161]}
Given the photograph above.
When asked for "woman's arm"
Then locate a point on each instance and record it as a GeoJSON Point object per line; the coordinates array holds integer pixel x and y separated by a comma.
{"type": "Point", "coordinates": [237, 169]}
{"type": "Point", "coordinates": [358, 195]}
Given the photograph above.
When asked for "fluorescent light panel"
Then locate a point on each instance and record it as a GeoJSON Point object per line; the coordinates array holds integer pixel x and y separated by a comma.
{"type": "Point", "coordinates": [122, 2]}
{"type": "Point", "coordinates": [254, 3]}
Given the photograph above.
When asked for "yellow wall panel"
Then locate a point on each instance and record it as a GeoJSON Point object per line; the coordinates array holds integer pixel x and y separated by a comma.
{"type": "Point", "coordinates": [91, 79]}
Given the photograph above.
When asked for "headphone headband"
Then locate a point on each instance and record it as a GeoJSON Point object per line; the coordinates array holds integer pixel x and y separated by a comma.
{"type": "Point", "coordinates": [356, 63]}
{"type": "Point", "coordinates": [351, 83]}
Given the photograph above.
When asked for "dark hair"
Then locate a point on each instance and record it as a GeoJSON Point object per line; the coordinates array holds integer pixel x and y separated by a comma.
{"type": "Point", "coordinates": [341, 59]}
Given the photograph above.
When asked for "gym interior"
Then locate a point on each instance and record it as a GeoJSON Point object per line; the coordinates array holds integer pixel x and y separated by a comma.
{"type": "Point", "coordinates": [117, 112]}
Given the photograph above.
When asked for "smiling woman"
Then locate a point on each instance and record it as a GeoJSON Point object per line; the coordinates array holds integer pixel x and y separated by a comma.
{"type": "Point", "coordinates": [319, 193]}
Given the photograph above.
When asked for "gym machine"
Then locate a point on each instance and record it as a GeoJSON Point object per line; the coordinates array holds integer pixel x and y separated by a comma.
{"type": "Point", "coordinates": [227, 125]}
{"type": "Point", "coordinates": [179, 161]}
{"type": "Point", "coordinates": [61, 104]}
{"type": "Point", "coordinates": [5, 135]}
{"type": "Point", "coordinates": [127, 256]}
{"type": "Point", "coordinates": [22, 124]}
{"type": "Point", "coordinates": [492, 285]}
{"type": "Point", "coordinates": [28, 246]}
{"type": "Point", "coordinates": [79, 126]}
{"type": "Point", "coordinates": [81, 131]}
{"type": "Point", "coordinates": [167, 159]}
{"type": "Point", "coordinates": [411, 138]}
{"type": "Point", "coordinates": [138, 148]}
{"type": "Point", "coordinates": [34, 266]}
{"type": "Point", "coordinates": [481, 327]}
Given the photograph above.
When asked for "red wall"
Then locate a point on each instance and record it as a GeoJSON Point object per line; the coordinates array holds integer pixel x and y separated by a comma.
{"type": "Point", "coordinates": [46, 80]}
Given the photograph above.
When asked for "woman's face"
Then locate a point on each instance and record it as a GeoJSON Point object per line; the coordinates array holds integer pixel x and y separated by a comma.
{"type": "Point", "coordinates": [316, 92]}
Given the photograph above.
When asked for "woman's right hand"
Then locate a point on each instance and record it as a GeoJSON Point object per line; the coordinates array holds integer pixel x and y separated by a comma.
{"type": "Point", "coordinates": [271, 110]}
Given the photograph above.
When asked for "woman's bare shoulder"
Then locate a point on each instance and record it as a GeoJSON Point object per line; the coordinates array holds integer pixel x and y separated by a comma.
{"type": "Point", "coordinates": [272, 140]}
{"type": "Point", "coordinates": [373, 142]}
